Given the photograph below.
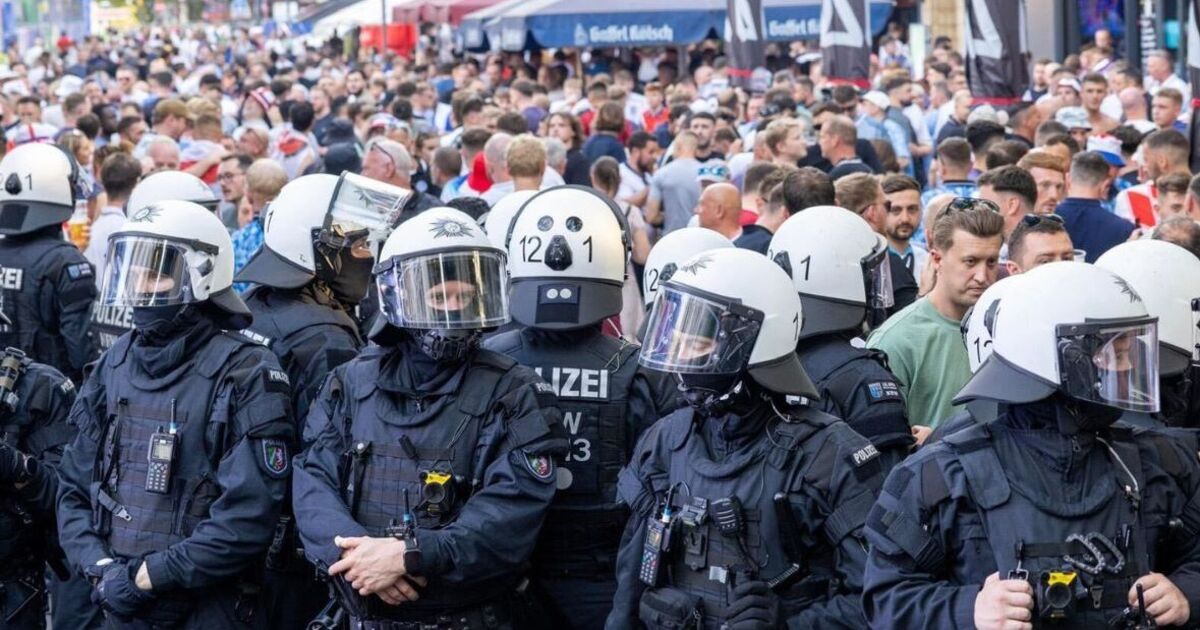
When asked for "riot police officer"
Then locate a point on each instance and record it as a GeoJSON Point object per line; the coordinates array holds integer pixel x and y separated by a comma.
{"type": "Point", "coordinates": [431, 464]}
{"type": "Point", "coordinates": [671, 251]}
{"type": "Point", "coordinates": [35, 400]}
{"type": "Point", "coordinates": [172, 486]}
{"type": "Point", "coordinates": [110, 321]}
{"type": "Point", "coordinates": [46, 283]}
{"type": "Point", "coordinates": [1167, 277]}
{"type": "Point", "coordinates": [1048, 514]}
{"type": "Point", "coordinates": [568, 250]}
{"type": "Point", "coordinates": [747, 510]}
{"type": "Point", "coordinates": [311, 271]}
{"type": "Point", "coordinates": [839, 266]}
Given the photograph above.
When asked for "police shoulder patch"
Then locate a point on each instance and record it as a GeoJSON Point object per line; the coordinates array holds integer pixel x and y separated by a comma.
{"type": "Point", "coordinates": [67, 386]}
{"type": "Point", "coordinates": [863, 455]}
{"type": "Point", "coordinates": [79, 271]}
{"type": "Point", "coordinates": [276, 381]}
{"type": "Point", "coordinates": [883, 391]}
{"type": "Point", "coordinates": [541, 466]}
{"type": "Point", "coordinates": [275, 459]}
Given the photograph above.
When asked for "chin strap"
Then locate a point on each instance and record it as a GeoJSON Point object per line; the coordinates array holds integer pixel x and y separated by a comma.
{"type": "Point", "coordinates": [443, 345]}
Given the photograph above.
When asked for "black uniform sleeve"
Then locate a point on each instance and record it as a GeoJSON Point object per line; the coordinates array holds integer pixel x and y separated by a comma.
{"type": "Point", "coordinates": [75, 291]}
{"type": "Point", "coordinates": [517, 487]}
{"type": "Point", "coordinates": [311, 361]}
{"type": "Point", "coordinates": [82, 543]}
{"type": "Point", "coordinates": [47, 398]}
{"type": "Point", "coordinates": [252, 475]}
{"type": "Point", "coordinates": [1178, 555]}
{"type": "Point", "coordinates": [839, 513]}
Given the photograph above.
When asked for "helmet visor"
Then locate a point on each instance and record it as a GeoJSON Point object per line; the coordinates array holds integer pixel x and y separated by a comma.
{"type": "Point", "coordinates": [690, 334]}
{"type": "Point", "coordinates": [146, 271]}
{"type": "Point", "coordinates": [456, 290]}
{"type": "Point", "coordinates": [367, 203]}
{"type": "Point", "coordinates": [1111, 364]}
{"type": "Point", "coordinates": [877, 273]}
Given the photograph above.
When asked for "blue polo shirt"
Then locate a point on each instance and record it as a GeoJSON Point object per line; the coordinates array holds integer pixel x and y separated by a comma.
{"type": "Point", "coordinates": [1092, 228]}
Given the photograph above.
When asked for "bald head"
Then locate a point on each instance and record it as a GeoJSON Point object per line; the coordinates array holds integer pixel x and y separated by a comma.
{"type": "Point", "coordinates": [1133, 103]}
{"type": "Point", "coordinates": [719, 209]}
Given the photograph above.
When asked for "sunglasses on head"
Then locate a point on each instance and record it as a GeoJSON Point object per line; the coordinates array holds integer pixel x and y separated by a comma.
{"type": "Point", "coordinates": [1031, 220]}
{"type": "Point", "coordinates": [964, 204]}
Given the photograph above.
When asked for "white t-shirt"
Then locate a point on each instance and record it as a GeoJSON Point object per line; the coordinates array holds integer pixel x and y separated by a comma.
{"type": "Point", "coordinates": [632, 183]}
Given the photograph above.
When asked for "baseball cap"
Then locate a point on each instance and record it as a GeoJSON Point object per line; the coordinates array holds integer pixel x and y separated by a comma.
{"type": "Point", "coordinates": [713, 173]}
{"type": "Point", "coordinates": [1073, 118]}
{"type": "Point", "coordinates": [1071, 83]}
{"type": "Point", "coordinates": [68, 85]}
{"type": "Point", "coordinates": [877, 98]}
{"type": "Point", "coordinates": [1107, 146]}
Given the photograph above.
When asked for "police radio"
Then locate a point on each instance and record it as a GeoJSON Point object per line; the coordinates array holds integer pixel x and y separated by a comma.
{"type": "Point", "coordinates": [658, 543]}
{"type": "Point", "coordinates": [406, 531]}
{"type": "Point", "coordinates": [161, 455]}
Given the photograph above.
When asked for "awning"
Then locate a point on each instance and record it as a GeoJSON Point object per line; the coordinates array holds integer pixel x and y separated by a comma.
{"type": "Point", "coordinates": [362, 13]}
{"type": "Point", "coordinates": [451, 11]}
{"type": "Point", "coordinates": [523, 24]}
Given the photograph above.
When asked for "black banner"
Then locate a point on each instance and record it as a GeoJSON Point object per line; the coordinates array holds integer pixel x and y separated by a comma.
{"type": "Point", "coordinates": [846, 41]}
{"type": "Point", "coordinates": [997, 50]}
{"type": "Point", "coordinates": [745, 42]}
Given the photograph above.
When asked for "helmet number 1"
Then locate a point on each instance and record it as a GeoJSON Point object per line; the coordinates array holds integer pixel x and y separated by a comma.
{"type": "Point", "coordinates": [807, 262]}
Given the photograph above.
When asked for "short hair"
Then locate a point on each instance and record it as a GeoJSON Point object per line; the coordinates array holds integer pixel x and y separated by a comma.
{"type": "Point", "coordinates": [977, 222]}
{"type": "Point", "coordinates": [856, 191]}
{"type": "Point", "coordinates": [167, 108]}
{"type": "Point", "coordinates": [1011, 179]}
{"type": "Point", "coordinates": [1095, 77]}
{"type": "Point", "coordinates": [806, 188]}
{"type": "Point", "coordinates": [473, 207]}
{"type": "Point", "coordinates": [1170, 94]}
{"type": "Point", "coordinates": [1039, 158]}
{"type": "Point", "coordinates": [265, 178]}
{"type": "Point", "coordinates": [89, 124]}
{"type": "Point", "coordinates": [606, 174]}
{"type": "Point", "coordinates": [73, 101]}
{"type": "Point", "coordinates": [843, 128]}
{"type": "Point", "coordinates": [1173, 142]}
{"type": "Point", "coordinates": [702, 115]}
{"type": "Point", "coordinates": [777, 132]}
{"type": "Point", "coordinates": [473, 140]}
{"type": "Point", "coordinates": [556, 152]}
{"type": "Point", "coordinates": [398, 153]}
{"type": "Point", "coordinates": [1047, 130]}
{"type": "Point", "coordinates": [1016, 240]}
{"type": "Point", "coordinates": [1089, 168]}
{"type": "Point", "coordinates": [755, 173]}
{"type": "Point", "coordinates": [119, 173]}
{"type": "Point", "coordinates": [1065, 140]}
{"type": "Point", "coordinates": [525, 157]}
{"type": "Point", "coordinates": [1181, 231]}
{"type": "Point", "coordinates": [897, 183]}
{"type": "Point", "coordinates": [1004, 153]}
{"type": "Point", "coordinates": [639, 140]}
{"type": "Point", "coordinates": [610, 117]}
{"type": "Point", "coordinates": [496, 148]}
{"type": "Point", "coordinates": [774, 179]}
{"type": "Point", "coordinates": [512, 123]}
{"type": "Point", "coordinates": [725, 134]}
{"type": "Point", "coordinates": [1194, 186]}
{"type": "Point", "coordinates": [955, 152]}
{"type": "Point", "coordinates": [983, 133]}
{"type": "Point", "coordinates": [244, 161]}
{"type": "Point", "coordinates": [1176, 183]}
{"type": "Point", "coordinates": [1130, 138]}
{"type": "Point", "coordinates": [302, 116]}
{"type": "Point", "coordinates": [447, 160]}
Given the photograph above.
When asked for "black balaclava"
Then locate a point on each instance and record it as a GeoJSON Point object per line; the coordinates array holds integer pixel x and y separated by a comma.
{"type": "Point", "coordinates": [166, 336]}
{"type": "Point", "coordinates": [347, 276]}
{"type": "Point", "coordinates": [409, 370]}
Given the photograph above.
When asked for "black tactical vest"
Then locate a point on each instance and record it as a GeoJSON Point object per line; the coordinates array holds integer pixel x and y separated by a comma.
{"type": "Point", "coordinates": [593, 381]}
{"type": "Point", "coordinates": [110, 322]}
{"type": "Point", "coordinates": [429, 448]}
{"type": "Point", "coordinates": [196, 400]}
{"type": "Point", "coordinates": [1093, 549]}
{"type": "Point", "coordinates": [29, 270]}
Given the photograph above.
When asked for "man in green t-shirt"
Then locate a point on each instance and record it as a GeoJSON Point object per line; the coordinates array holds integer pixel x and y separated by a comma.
{"type": "Point", "coordinates": [923, 343]}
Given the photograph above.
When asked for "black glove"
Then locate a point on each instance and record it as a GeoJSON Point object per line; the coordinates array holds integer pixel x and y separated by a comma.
{"type": "Point", "coordinates": [754, 607]}
{"type": "Point", "coordinates": [12, 465]}
{"type": "Point", "coordinates": [116, 591]}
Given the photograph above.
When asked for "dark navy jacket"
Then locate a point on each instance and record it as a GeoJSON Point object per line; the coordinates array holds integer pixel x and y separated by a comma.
{"type": "Point", "coordinates": [1092, 228]}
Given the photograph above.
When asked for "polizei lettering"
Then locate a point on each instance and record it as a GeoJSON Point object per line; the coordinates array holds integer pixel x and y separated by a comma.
{"type": "Point", "coordinates": [576, 382]}
{"type": "Point", "coordinates": [115, 316]}
{"type": "Point", "coordinates": [11, 278]}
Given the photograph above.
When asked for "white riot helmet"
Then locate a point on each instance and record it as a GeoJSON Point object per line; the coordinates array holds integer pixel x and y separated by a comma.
{"type": "Point", "coordinates": [568, 251]}
{"type": "Point", "coordinates": [977, 324]}
{"type": "Point", "coordinates": [672, 250]}
{"type": "Point", "coordinates": [303, 240]}
{"type": "Point", "coordinates": [499, 219]}
{"type": "Point", "coordinates": [838, 265]}
{"type": "Point", "coordinates": [724, 312]}
{"type": "Point", "coordinates": [440, 276]}
{"type": "Point", "coordinates": [172, 186]}
{"type": "Point", "coordinates": [173, 252]}
{"type": "Point", "coordinates": [1167, 277]}
{"type": "Point", "coordinates": [39, 188]}
{"type": "Point", "coordinates": [1075, 328]}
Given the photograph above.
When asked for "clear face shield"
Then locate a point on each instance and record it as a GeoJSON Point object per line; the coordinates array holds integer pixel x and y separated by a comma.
{"type": "Point", "coordinates": [363, 203]}
{"type": "Point", "coordinates": [1113, 364]}
{"type": "Point", "coordinates": [152, 271]}
{"type": "Point", "coordinates": [877, 275]}
{"type": "Point", "coordinates": [464, 290]}
{"type": "Point", "coordinates": [693, 334]}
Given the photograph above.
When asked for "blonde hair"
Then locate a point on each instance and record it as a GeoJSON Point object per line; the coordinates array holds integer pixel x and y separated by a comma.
{"type": "Point", "coordinates": [525, 157]}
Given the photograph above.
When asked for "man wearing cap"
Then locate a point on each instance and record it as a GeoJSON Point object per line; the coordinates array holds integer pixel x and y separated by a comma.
{"type": "Point", "coordinates": [1076, 120]}
{"type": "Point", "coordinates": [875, 104]}
{"type": "Point", "coordinates": [1164, 152]}
{"type": "Point", "coordinates": [1067, 90]}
